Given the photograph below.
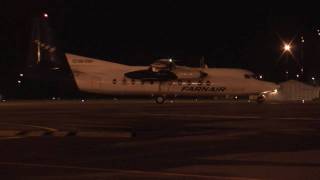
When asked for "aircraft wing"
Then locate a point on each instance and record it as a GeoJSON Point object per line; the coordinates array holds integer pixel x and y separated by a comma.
{"type": "Point", "coordinates": [164, 70]}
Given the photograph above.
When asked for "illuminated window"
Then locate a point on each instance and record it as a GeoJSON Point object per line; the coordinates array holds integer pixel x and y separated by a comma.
{"type": "Point", "coordinates": [114, 81]}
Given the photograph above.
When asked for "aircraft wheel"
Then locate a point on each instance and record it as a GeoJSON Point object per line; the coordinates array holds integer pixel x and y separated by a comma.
{"type": "Point", "coordinates": [160, 99]}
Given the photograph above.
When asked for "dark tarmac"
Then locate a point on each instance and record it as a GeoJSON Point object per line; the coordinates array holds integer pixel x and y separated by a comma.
{"type": "Point", "coordinates": [142, 140]}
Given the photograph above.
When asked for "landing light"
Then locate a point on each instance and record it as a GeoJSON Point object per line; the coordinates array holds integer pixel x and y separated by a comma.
{"type": "Point", "coordinates": [275, 91]}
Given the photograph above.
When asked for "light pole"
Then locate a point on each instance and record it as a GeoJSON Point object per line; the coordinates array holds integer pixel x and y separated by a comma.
{"type": "Point", "coordinates": [301, 56]}
{"type": "Point", "coordinates": [287, 50]}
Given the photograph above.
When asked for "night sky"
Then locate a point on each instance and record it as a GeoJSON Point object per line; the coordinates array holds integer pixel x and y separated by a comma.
{"type": "Point", "coordinates": [237, 35]}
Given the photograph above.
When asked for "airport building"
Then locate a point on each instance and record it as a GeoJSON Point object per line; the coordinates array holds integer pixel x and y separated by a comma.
{"type": "Point", "coordinates": [293, 90]}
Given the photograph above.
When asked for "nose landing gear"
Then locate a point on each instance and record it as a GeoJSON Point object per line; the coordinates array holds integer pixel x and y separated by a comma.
{"type": "Point", "coordinates": [261, 99]}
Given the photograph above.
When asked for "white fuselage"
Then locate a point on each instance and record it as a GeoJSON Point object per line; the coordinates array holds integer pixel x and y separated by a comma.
{"type": "Point", "coordinates": [104, 77]}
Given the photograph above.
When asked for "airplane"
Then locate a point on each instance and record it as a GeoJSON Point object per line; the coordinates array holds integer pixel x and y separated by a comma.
{"type": "Point", "coordinates": [164, 78]}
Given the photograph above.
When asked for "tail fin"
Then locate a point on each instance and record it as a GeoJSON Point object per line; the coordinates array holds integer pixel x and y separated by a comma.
{"type": "Point", "coordinates": [43, 52]}
{"type": "Point", "coordinates": [46, 63]}
{"type": "Point", "coordinates": [203, 65]}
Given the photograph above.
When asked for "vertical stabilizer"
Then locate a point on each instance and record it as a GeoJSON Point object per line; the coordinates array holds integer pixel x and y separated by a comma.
{"type": "Point", "coordinates": [46, 63]}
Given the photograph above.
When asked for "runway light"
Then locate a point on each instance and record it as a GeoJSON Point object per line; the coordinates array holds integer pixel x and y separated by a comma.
{"type": "Point", "coordinates": [45, 15]}
{"type": "Point", "coordinates": [298, 75]}
{"type": "Point", "coordinates": [260, 77]}
{"type": "Point", "coordinates": [302, 101]}
{"type": "Point", "coordinates": [287, 72]}
{"type": "Point", "coordinates": [19, 82]}
{"type": "Point", "coordinates": [21, 75]}
{"type": "Point", "coordinates": [313, 78]}
{"type": "Point", "coordinates": [82, 100]}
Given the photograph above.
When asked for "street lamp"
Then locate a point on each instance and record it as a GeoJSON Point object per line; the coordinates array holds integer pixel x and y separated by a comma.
{"type": "Point", "coordinates": [287, 47]}
{"type": "Point", "coordinates": [287, 51]}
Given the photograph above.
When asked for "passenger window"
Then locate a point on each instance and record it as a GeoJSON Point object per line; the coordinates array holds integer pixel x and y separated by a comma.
{"type": "Point", "coordinates": [247, 76]}
{"type": "Point", "coordinates": [151, 82]}
{"type": "Point", "coordinates": [189, 83]}
{"type": "Point", "coordinates": [133, 81]}
{"type": "Point", "coordinates": [142, 82]}
{"type": "Point", "coordinates": [179, 82]}
{"type": "Point", "coordinates": [124, 81]}
{"type": "Point", "coordinates": [208, 83]}
{"type": "Point", "coordinates": [114, 81]}
{"type": "Point", "coordinates": [199, 83]}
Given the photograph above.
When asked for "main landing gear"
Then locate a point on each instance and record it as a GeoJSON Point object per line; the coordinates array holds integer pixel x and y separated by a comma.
{"type": "Point", "coordinates": [160, 99]}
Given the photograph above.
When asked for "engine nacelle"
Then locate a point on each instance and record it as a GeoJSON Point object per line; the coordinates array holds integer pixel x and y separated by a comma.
{"type": "Point", "coordinates": [162, 65]}
{"type": "Point", "coordinates": [150, 75]}
{"type": "Point", "coordinates": [189, 74]}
